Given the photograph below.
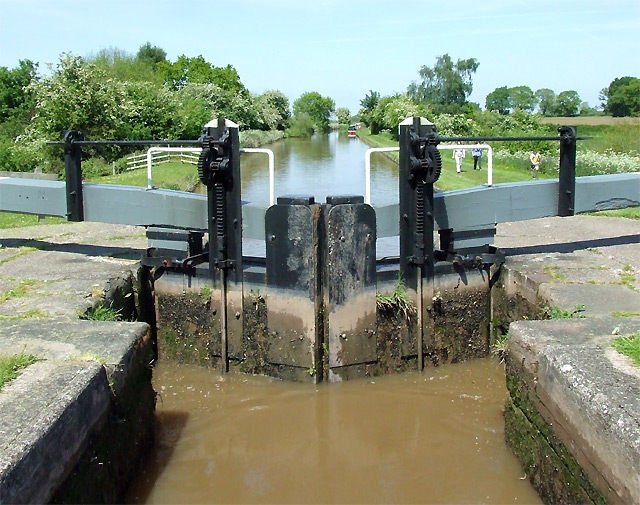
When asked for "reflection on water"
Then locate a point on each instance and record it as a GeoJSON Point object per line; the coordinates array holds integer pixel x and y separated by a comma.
{"type": "Point", "coordinates": [435, 437]}
{"type": "Point", "coordinates": [320, 166]}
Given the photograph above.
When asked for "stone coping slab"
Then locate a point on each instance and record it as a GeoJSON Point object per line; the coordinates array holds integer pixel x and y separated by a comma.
{"type": "Point", "coordinates": [588, 393]}
{"type": "Point", "coordinates": [49, 411]}
{"type": "Point", "coordinates": [49, 275]}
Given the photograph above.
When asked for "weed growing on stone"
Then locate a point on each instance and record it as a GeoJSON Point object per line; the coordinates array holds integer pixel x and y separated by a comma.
{"type": "Point", "coordinates": [557, 313]}
{"type": "Point", "coordinates": [552, 271]}
{"type": "Point", "coordinates": [629, 346]}
{"type": "Point", "coordinates": [499, 348]}
{"type": "Point", "coordinates": [29, 314]}
{"type": "Point", "coordinates": [625, 313]}
{"type": "Point", "coordinates": [205, 292]}
{"type": "Point", "coordinates": [102, 313]}
{"type": "Point", "coordinates": [10, 366]}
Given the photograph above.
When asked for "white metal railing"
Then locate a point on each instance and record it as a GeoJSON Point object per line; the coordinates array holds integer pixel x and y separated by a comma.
{"type": "Point", "coordinates": [367, 162]}
{"type": "Point", "coordinates": [272, 174]}
{"type": "Point", "coordinates": [152, 150]}
{"type": "Point", "coordinates": [191, 157]}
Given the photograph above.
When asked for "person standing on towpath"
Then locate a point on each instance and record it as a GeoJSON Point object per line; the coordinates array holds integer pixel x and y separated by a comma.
{"type": "Point", "coordinates": [476, 152]}
{"type": "Point", "coordinates": [535, 163]}
{"type": "Point", "coordinates": [458, 154]}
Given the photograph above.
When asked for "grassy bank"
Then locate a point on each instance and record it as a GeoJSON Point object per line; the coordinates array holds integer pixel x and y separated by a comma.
{"type": "Point", "coordinates": [508, 170]}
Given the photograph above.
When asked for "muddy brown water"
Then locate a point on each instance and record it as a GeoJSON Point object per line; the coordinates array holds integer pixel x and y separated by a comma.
{"type": "Point", "coordinates": [431, 437]}
{"type": "Point", "coordinates": [434, 437]}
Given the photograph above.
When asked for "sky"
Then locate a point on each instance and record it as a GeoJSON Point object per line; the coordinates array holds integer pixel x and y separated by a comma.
{"type": "Point", "coordinates": [345, 48]}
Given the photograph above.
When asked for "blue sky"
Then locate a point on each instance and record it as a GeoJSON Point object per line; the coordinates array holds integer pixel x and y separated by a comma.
{"type": "Point", "coordinates": [343, 49]}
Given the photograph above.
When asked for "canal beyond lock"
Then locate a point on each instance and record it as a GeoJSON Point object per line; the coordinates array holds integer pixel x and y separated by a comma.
{"type": "Point", "coordinates": [431, 437]}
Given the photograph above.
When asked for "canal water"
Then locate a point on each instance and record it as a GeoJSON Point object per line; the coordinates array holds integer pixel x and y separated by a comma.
{"type": "Point", "coordinates": [430, 437]}
{"type": "Point", "coordinates": [324, 165]}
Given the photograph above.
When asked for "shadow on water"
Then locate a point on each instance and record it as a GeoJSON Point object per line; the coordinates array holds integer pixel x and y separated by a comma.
{"type": "Point", "coordinates": [169, 425]}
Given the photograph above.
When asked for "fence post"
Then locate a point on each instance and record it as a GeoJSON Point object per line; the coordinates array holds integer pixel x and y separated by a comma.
{"type": "Point", "coordinates": [73, 175]}
{"type": "Point", "coordinates": [567, 171]}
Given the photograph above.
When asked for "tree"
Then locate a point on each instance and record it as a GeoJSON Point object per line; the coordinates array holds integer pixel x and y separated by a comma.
{"type": "Point", "coordinates": [622, 97]}
{"type": "Point", "coordinates": [446, 83]}
{"type": "Point", "coordinates": [546, 101]}
{"type": "Point", "coordinates": [567, 103]}
{"type": "Point", "coordinates": [498, 100]}
{"type": "Point", "coordinates": [15, 98]}
{"type": "Point", "coordinates": [368, 103]}
{"type": "Point", "coordinates": [317, 107]}
{"type": "Point", "coordinates": [273, 109]}
{"type": "Point", "coordinates": [522, 97]}
{"type": "Point", "coordinates": [199, 71]}
{"type": "Point", "coordinates": [343, 115]}
{"type": "Point", "coordinates": [151, 55]}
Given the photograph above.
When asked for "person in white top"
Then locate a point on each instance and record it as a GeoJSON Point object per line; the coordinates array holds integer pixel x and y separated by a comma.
{"type": "Point", "coordinates": [458, 155]}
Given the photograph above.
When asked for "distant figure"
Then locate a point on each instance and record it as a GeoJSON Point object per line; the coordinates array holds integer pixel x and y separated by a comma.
{"type": "Point", "coordinates": [458, 154]}
{"type": "Point", "coordinates": [535, 163]}
{"type": "Point", "coordinates": [477, 156]}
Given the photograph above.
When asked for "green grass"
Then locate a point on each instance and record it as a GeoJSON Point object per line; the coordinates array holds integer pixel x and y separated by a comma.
{"type": "Point", "coordinates": [629, 213]}
{"type": "Point", "coordinates": [506, 171]}
{"type": "Point", "coordinates": [11, 366]}
{"type": "Point", "coordinates": [629, 346]}
{"type": "Point", "coordinates": [15, 220]}
{"type": "Point", "coordinates": [174, 175]}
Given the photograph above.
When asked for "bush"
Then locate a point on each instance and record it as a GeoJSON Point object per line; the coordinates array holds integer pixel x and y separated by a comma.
{"type": "Point", "coordinates": [257, 138]}
{"type": "Point", "coordinates": [300, 126]}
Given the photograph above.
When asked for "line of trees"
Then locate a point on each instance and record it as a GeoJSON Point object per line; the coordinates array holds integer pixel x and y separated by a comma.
{"type": "Point", "coordinates": [442, 94]}
{"type": "Point", "coordinates": [114, 94]}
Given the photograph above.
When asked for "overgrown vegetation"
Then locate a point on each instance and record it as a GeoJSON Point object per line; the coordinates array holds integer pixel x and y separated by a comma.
{"type": "Point", "coordinates": [629, 346]}
{"type": "Point", "coordinates": [11, 366]}
{"type": "Point", "coordinates": [397, 302]}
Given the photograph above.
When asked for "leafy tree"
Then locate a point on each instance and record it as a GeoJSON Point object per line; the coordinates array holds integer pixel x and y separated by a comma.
{"type": "Point", "coordinates": [498, 100]}
{"type": "Point", "coordinates": [151, 55]}
{"type": "Point", "coordinates": [199, 71]}
{"type": "Point", "coordinates": [273, 109]}
{"type": "Point", "coordinates": [622, 97]}
{"type": "Point", "coordinates": [343, 115]}
{"type": "Point", "coordinates": [546, 101]}
{"type": "Point", "coordinates": [445, 84]}
{"type": "Point", "coordinates": [118, 64]}
{"type": "Point", "coordinates": [522, 97]}
{"type": "Point", "coordinates": [317, 107]}
{"type": "Point", "coordinates": [15, 98]}
{"type": "Point", "coordinates": [567, 103]}
{"type": "Point", "coordinates": [370, 100]}
{"type": "Point", "coordinates": [377, 116]}
{"type": "Point", "coordinates": [367, 104]}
